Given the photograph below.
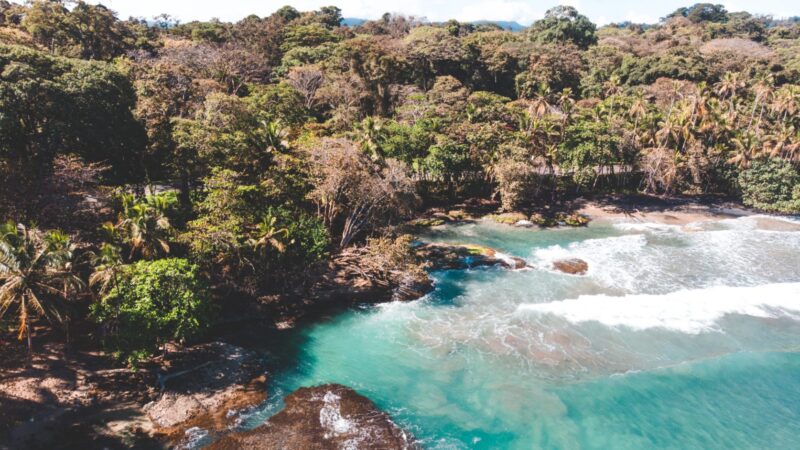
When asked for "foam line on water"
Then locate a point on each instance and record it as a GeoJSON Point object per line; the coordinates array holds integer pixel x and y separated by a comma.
{"type": "Point", "coordinates": [689, 311]}
{"type": "Point", "coordinates": [646, 226]}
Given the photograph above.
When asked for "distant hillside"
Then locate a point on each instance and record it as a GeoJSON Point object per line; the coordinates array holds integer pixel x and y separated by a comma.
{"type": "Point", "coordinates": [505, 24]}
{"type": "Point", "coordinates": [352, 21]}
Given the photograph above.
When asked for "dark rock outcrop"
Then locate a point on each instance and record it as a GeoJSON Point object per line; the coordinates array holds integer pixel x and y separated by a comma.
{"type": "Point", "coordinates": [205, 387]}
{"type": "Point", "coordinates": [320, 418]}
{"type": "Point", "coordinates": [572, 266]}
{"type": "Point", "coordinates": [454, 256]}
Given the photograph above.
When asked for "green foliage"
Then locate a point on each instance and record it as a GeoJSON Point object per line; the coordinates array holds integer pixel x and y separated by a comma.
{"type": "Point", "coordinates": [143, 224]}
{"type": "Point", "coordinates": [771, 185]}
{"type": "Point", "coordinates": [409, 143]}
{"type": "Point", "coordinates": [84, 31]}
{"type": "Point", "coordinates": [309, 239]}
{"type": "Point", "coordinates": [444, 161]}
{"type": "Point", "coordinates": [307, 36]}
{"type": "Point", "coordinates": [563, 24]}
{"type": "Point", "coordinates": [603, 62]}
{"type": "Point", "coordinates": [212, 32]}
{"type": "Point", "coordinates": [233, 133]}
{"type": "Point", "coordinates": [702, 12]}
{"type": "Point", "coordinates": [155, 302]}
{"type": "Point", "coordinates": [239, 238]}
{"type": "Point", "coordinates": [552, 68]}
{"type": "Point", "coordinates": [301, 56]}
{"type": "Point", "coordinates": [679, 64]}
{"type": "Point", "coordinates": [589, 144]}
{"type": "Point", "coordinates": [50, 105]}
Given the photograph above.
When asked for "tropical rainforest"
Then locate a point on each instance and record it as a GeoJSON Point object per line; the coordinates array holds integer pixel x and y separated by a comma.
{"type": "Point", "coordinates": [155, 175]}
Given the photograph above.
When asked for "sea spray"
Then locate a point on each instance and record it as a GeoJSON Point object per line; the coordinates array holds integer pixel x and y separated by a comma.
{"type": "Point", "coordinates": [688, 311]}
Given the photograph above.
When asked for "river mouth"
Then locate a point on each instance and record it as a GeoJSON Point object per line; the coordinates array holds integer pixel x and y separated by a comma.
{"type": "Point", "coordinates": [677, 337]}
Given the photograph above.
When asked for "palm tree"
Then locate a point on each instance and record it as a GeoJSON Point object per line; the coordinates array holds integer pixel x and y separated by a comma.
{"type": "Point", "coordinates": [729, 86]}
{"type": "Point", "coordinates": [566, 104]}
{"type": "Point", "coordinates": [275, 136]}
{"type": "Point", "coordinates": [36, 275]}
{"type": "Point", "coordinates": [638, 108]}
{"type": "Point", "coordinates": [107, 264]}
{"type": "Point", "coordinates": [144, 225]}
{"type": "Point", "coordinates": [370, 134]}
{"type": "Point", "coordinates": [669, 129]}
{"type": "Point", "coordinates": [660, 168]}
{"type": "Point", "coordinates": [267, 235]}
{"type": "Point", "coordinates": [784, 143]}
{"type": "Point", "coordinates": [540, 106]}
{"type": "Point", "coordinates": [785, 102]}
{"type": "Point", "coordinates": [763, 91]}
{"type": "Point", "coordinates": [612, 86]}
{"type": "Point", "coordinates": [747, 147]}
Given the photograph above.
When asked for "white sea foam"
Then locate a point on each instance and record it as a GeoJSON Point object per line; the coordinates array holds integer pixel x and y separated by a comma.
{"type": "Point", "coordinates": [330, 416]}
{"type": "Point", "coordinates": [591, 248]}
{"type": "Point", "coordinates": [507, 259]}
{"type": "Point", "coordinates": [646, 226]}
{"type": "Point", "coordinates": [688, 311]}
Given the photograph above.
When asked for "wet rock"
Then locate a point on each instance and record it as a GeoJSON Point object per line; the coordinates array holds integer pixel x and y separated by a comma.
{"type": "Point", "coordinates": [559, 219]}
{"type": "Point", "coordinates": [323, 417]}
{"type": "Point", "coordinates": [572, 220]}
{"type": "Point", "coordinates": [412, 287]}
{"type": "Point", "coordinates": [507, 218]}
{"type": "Point", "coordinates": [203, 384]}
{"type": "Point", "coordinates": [518, 263]}
{"type": "Point", "coordinates": [572, 266]}
{"type": "Point", "coordinates": [462, 256]}
{"type": "Point", "coordinates": [427, 222]}
{"type": "Point", "coordinates": [458, 215]}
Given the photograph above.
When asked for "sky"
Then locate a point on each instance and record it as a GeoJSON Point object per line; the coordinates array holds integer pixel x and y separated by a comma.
{"type": "Point", "coordinates": [522, 11]}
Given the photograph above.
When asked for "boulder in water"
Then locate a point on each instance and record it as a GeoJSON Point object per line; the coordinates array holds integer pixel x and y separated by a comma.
{"type": "Point", "coordinates": [440, 256]}
{"type": "Point", "coordinates": [509, 218]}
{"type": "Point", "coordinates": [572, 266]}
{"type": "Point", "coordinates": [515, 263]}
{"type": "Point", "coordinates": [323, 417]}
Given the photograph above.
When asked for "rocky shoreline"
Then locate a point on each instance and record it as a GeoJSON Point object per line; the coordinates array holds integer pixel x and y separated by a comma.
{"type": "Point", "coordinates": [200, 391]}
{"type": "Point", "coordinates": [323, 417]}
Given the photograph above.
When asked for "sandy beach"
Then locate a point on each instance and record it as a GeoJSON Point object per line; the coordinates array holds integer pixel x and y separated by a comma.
{"type": "Point", "coordinates": [679, 212]}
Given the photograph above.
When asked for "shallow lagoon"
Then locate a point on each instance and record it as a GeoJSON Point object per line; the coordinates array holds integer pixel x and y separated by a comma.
{"type": "Point", "coordinates": [678, 337]}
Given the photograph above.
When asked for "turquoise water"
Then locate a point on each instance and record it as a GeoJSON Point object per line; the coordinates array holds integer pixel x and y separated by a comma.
{"type": "Point", "coordinates": [678, 337]}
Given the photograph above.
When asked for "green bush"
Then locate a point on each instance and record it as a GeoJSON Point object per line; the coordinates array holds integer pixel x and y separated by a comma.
{"type": "Point", "coordinates": [151, 303]}
{"type": "Point", "coordinates": [309, 238]}
{"type": "Point", "coordinates": [771, 185]}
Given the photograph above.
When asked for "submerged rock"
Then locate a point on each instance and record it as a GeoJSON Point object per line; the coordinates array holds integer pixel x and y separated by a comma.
{"type": "Point", "coordinates": [572, 266]}
{"type": "Point", "coordinates": [323, 417]}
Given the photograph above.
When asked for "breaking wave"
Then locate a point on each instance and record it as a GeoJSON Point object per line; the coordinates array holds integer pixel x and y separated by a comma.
{"type": "Point", "coordinates": [689, 311]}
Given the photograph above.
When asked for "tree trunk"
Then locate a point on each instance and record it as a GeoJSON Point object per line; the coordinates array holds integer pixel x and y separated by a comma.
{"type": "Point", "coordinates": [30, 342]}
